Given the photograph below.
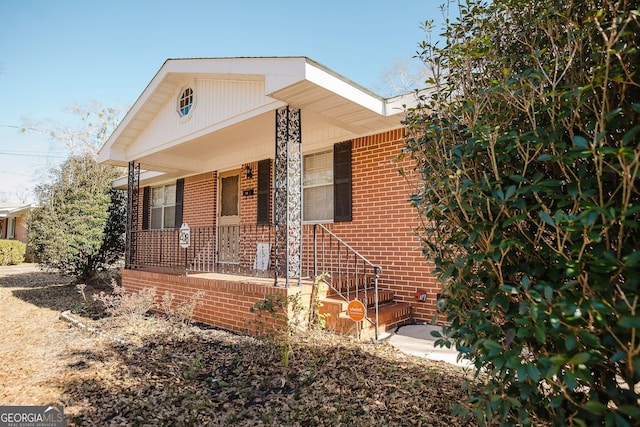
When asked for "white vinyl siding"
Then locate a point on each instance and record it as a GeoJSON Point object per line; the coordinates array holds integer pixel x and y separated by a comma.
{"type": "Point", "coordinates": [218, 102]}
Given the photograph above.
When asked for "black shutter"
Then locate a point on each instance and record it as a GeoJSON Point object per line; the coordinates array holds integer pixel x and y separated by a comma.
{"type": "Point", "coordinates": [264, 193]}
{"type": "Point", "coordinates": [179, 199]}
{"type": "Point", "coordinates": [342, 182]}
{"type": "Point", "coordinates": [146, 204]}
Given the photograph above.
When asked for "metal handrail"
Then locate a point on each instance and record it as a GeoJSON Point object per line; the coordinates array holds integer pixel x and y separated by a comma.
{"type": "Point", "coordinates": [346, 268]}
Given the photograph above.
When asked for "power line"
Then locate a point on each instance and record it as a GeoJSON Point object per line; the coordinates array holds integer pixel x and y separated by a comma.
{"type": "Point", "coordinates": [30, 154]}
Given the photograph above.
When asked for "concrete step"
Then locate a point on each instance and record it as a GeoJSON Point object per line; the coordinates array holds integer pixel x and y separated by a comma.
{"type": "Point", "coordinates": [349, 286]}
{"type": "Point", "coordinates": [384, 296]}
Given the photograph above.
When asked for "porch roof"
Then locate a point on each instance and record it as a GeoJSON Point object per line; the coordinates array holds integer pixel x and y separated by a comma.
{"type": "Point", "coordinates": [333, 108]}
{"type": "Point", "coordinates": [9, 211]}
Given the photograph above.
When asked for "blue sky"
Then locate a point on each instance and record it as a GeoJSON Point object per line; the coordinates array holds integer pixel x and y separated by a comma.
{"type": "Point", "coordinates": [57, 53]}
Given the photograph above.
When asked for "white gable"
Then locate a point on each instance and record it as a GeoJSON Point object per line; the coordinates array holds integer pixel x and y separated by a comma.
{"type": "Point", "coordinates": [217, 104]}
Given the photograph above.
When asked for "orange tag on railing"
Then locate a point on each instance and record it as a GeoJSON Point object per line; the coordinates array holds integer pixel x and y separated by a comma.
{"type": "Point", "coordinates": [356, 310]}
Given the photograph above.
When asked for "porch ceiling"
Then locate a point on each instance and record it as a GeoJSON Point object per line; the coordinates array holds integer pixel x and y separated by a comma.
{"type": "Point", "coordinates": [214, 150]}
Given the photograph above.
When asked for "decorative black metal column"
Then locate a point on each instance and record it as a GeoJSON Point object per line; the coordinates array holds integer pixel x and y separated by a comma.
{"type": "Point", "coordinates": [133, 191]}
{"type": "Point", "coordinates": [288, 196]}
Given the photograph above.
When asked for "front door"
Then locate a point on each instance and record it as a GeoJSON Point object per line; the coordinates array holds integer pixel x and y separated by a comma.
{"type": "Point", "coordinates": [229, 218]}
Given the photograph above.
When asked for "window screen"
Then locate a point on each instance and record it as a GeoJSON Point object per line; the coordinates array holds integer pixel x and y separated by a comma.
{"type": "Point", "coordinates": [163, 210]}
{"type": "Point", "coordinates": [318, 186]}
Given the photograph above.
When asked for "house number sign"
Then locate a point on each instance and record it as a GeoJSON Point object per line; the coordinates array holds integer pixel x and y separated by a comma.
{"type": "Point", "coordinates": [184, 236]}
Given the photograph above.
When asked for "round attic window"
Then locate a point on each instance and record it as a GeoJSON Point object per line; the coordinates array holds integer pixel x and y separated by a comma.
{"type": "Point", "coordinates": [185, 102]}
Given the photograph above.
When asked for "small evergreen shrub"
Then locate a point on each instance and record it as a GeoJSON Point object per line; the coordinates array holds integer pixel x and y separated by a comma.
{"type": "Point", "coordinates": [12, 252]}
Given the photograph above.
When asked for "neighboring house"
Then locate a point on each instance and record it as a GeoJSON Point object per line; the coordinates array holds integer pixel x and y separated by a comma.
{"type": "Point", "coordinates": [13, 222]}
{"type": "Point", "coordinates": [282, 170]}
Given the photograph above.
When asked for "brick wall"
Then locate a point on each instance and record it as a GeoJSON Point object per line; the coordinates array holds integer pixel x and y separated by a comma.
{"type": "Point", "coordinates": [225, 304]}
{"type": "Point", "coordinates": [384, 222]}
{"type": "Point", "coordinates": [249, 204]}
{"type": "Point", "coordinates": [383, 226]}
{"type": "Point", "coordinates": [200, 199]}
{"type": "Point", "coordinates": [21, 232]}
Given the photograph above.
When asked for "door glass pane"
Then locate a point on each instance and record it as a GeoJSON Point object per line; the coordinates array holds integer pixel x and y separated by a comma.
{"type": "Point", "coordinates": [229, 196]}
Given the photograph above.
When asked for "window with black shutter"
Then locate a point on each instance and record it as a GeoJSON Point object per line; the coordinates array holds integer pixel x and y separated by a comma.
{"type": "Point", "coordinates": [327, 185]}
{"type": "Point", "coordinates": [342, 203]}
{"type": "Point", "coordinates": [264, 193]}
{"type": "Point", "coordinates": [146, 204]}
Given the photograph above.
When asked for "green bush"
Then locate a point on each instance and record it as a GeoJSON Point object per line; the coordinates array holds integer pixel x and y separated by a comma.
{"type": "Point", "coordinates": [528, 149]}
{"type": "Point", "coordinates": [12, 252]}
{"type": "Point", "coordinates": [78, 227]}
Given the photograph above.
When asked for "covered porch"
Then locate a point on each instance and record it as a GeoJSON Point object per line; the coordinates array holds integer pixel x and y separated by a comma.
{"type": "Point", "coordinates": [243, 257]}
{"type": "Point", "coordinates": [214, 118]}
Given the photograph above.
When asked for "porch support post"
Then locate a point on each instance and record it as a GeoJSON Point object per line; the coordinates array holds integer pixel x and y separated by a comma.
{"type": "Point", "coordinates": [133, 191]}
{"type": "Point", "coordinates": [288, 196]}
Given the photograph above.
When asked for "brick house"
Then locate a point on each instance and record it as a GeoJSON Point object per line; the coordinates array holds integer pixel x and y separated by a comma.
{"type": "Point", "coordinates": [251, 176]}
{"type": "Point", "coordinates": [13, 222]}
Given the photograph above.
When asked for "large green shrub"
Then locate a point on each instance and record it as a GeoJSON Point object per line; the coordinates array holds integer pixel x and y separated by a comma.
{"type": "Point", "coordinates": [79, 225]}
{"type": "Point", "coordinates": [11, 252]}
{"type": "Point", "coordinates": [528, 150]}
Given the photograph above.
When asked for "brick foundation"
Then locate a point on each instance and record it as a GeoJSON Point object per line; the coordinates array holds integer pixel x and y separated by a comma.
{"type": "Point", "coordinates": [226, 302]}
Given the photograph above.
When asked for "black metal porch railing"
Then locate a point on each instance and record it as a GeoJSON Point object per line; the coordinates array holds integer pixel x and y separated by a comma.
{"type": "Point", "coordinates": [245, 249]}
{"type": "Point", "coordinates": [248, 249]}
{"type": "Point", "coordinates": [233, 249]}
{"type": "Point", "coordinates": [156, 248]}
{"type": "Point", "coordinates": [349, 271]}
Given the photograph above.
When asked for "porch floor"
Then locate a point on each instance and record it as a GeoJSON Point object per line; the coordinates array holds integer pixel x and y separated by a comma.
{"type": "Point", "coordinates": [267, 281]}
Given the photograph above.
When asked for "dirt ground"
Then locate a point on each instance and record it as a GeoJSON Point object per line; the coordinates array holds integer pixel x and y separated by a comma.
{"type": "Point", "coordinates": [153, 372]}
{"type": "Point", "coordinates": [37, 350]}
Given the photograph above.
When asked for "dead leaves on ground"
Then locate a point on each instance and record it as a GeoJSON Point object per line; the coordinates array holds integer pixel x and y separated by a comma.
{"type": "Point", "coordinates": [211, 377]}
{"type": "Point", "coordinates": [217, 378]}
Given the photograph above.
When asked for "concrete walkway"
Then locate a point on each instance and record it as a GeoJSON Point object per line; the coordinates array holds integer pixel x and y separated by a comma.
{"type": "Point", "coordinates": [417, 340]}
{"type": "Point", "coordinates": [25, 267]}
